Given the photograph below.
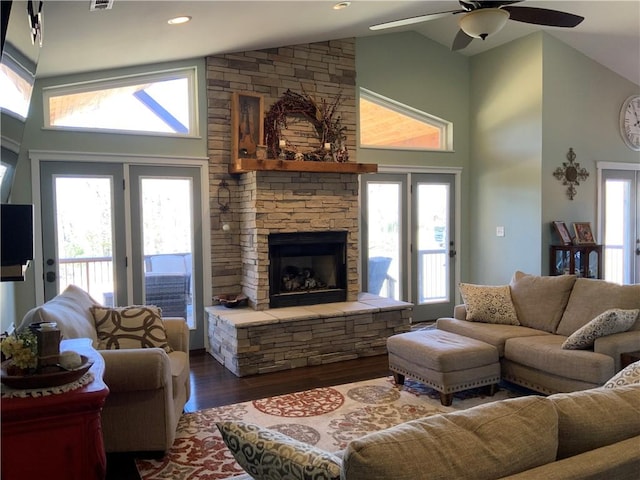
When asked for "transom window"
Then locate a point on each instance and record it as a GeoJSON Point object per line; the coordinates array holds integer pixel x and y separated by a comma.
{"type": "Point", "coordinates": [385, 123]}
{"type": "Point", "coordinates": [16, 82]}
{"type": "Point", "coordinates": [162, 103]}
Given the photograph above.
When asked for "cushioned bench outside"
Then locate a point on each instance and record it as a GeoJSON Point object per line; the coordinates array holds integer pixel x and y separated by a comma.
{"type": "Point", "coordinates": [445, 361]}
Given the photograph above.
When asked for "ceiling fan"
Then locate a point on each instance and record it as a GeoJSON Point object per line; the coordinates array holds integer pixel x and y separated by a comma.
{"type": "Point", "coordinates": [483, 18]}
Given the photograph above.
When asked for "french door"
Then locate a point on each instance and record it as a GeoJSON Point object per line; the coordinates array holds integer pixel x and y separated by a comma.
{"type": "Point", "coordinates": [124, 233]}
{"type": "Point", "coordinates": [408, 240]}
{"type": "Point", "coordinates": [620, 220]}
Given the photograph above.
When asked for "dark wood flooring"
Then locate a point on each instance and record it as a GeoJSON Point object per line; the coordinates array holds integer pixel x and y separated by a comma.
{"type": "Point", "coordinates": [212, 385]}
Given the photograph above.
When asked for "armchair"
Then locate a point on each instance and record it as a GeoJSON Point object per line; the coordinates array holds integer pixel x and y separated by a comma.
{"type": "Point", "coordinates": [148, 387]}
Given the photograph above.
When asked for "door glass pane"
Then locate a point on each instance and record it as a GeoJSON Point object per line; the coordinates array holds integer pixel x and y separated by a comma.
{"type": "Point", "coordinates": [84, 235]}
{"type": "Point", "coordinates": [167, 233]}
{"type": "Point", "coordinates": [432, 239]}
{"type": "Point", "coordinates": [384, 237]}
{"type": "Point", "coordinates": [616, 230]}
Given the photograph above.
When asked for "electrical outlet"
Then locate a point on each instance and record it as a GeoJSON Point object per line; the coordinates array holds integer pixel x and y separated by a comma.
{"type": "Point", "coordinates": [500, 231]}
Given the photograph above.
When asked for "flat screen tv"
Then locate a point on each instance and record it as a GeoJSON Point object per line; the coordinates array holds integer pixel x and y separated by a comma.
{"type": "Point", "coordinates": [16, 239]}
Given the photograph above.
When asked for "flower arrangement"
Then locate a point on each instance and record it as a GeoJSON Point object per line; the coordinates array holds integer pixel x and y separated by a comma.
{"type": "Point", "coordinates": [320, 113]}
{"type": "Point", "coordinates": [21, 348]}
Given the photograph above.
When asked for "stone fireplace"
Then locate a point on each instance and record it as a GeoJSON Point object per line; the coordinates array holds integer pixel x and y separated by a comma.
{"type": "Point", "coordinates": [301, 210]}
{"type": "Point", "coordinates": [307, 268]}
{"type": "Point", "coordinates": [277, 217]}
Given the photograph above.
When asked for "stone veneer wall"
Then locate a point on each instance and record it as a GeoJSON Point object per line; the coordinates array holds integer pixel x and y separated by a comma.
{"type": "Point", "coordinates": [280, 202]}
{"type": "Point", "coordinates": [261, 202]}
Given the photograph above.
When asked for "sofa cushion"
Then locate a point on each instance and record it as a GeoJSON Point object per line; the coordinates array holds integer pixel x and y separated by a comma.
{"type": "Point", "coordinates": [607, 323]}
{"type": "Point", "coordinates": [594, 418]}
{"type": "Point", "coordinates": [478, 443]}
{"type": "Point", "coordinates": [488, 304]}
{"type": "Point", "coordinates": [540, 301]}
{"type": "Point", "coordinates": [495, 335]}
{"type": "Point", "coordinates": [589, 298]}
{"type": "Point", "coordinates": [629, 375]}
{"type": "Point", "coordinates": [268, 454]}
{"type": "Point", "coordinates": [545, 353]}
{"type": "Point", "coordinates": [130, 327]}
{"type": "Point", "coordinates": [70, 310]}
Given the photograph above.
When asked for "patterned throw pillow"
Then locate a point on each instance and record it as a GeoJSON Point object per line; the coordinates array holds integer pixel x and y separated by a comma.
{"type": "Point", "coordinates": [130, 327]}
{"type": "Point", "coordinates": [627, 376]}
{"type": "Point", "coordinates": [489, 304]}
{"type": "Point", "coordinates": [269, 455]}
{"type": "Point", "coordinates": [607, 323]}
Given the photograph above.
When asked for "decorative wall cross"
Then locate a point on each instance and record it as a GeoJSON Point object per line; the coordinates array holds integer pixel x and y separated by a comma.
{"type": "Point", "coordinates": [571, 173]}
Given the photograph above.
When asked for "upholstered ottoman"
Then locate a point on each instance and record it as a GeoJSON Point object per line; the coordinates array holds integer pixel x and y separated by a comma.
{"type": "Point", "coordinates": [444, 361]}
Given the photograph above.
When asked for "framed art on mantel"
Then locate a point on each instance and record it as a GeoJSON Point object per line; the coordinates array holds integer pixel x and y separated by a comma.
{"type": "Point", "coordinates": [247, 124]}
{"type": "Point", "coordinates": [563, 232]}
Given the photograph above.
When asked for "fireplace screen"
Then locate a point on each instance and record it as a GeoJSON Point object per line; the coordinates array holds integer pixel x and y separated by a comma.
{"type": "Point", "coordinates": [307, 268]}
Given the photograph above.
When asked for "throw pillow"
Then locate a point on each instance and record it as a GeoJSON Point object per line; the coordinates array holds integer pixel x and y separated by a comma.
{"type": "Point", "coordinates": [130, 327]}
{"type": "Point", "coordinates": [627, 376]}
{"type": "Point", "coordinates": [540, 300]}
{"type": "Point", "coordinates": [607, 323]}
{"type": "Point", "coordinates": [270, 455]}
{"type": "Point", "coordinates": [489, 304]}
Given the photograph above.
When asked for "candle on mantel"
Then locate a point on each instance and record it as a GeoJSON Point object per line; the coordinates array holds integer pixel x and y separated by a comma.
{"type": "Point", "coordinates": [282, 143]}
{"type": "Point", "coordinates": [327, 146]}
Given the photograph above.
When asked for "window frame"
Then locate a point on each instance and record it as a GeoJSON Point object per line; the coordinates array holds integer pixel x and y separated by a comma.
{"type": "Point", "coordinates": [445, 127]}
{"type": "Point", "coordinates": [190, 73]}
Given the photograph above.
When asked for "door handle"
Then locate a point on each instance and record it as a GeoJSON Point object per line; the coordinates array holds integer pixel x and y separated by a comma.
{"type": "Point", "coordinates": [452, 253]}
{"type": "Point", "coordinates": [51, 277]}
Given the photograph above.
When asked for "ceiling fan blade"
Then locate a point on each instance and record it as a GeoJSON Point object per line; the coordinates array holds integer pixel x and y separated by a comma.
{"type": "Point", "coordinates": [412, 20]}
{"type": "Point", "coordinates": [543, 16]}
{"type": "Point", "coordinates": [461, 41]}
{"type": "Point", "coordinates": [497, 3]}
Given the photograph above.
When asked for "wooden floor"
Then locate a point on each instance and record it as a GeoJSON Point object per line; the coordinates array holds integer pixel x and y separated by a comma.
{"type": "Point", "coordinates": [212, 385]}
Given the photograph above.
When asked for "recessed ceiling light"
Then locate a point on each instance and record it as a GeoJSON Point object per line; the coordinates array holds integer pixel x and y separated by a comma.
{"type": "Point", "coordinates": [341, 5]}
{"type": "Point", "coordinates": [178, 20]}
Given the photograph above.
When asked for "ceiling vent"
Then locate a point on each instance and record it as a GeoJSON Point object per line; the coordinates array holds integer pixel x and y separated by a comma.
{"type": "Point", "coordinates": [101, 5]}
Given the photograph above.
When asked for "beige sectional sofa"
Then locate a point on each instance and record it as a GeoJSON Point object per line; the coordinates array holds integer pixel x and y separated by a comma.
{"type": "Point", "coordinates": [549, 310]}
{"type": "Point", "coordinates": [589, 434]}
{"type": "Point", "coordinates": [148, 387]}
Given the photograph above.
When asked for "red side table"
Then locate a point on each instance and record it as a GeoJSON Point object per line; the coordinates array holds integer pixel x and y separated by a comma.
{"type": "Point", "coordinates": [57, 436]}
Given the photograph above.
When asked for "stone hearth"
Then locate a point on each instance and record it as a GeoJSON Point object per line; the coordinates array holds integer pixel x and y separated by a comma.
{"type": "Point", "coordinates": [249, 342]}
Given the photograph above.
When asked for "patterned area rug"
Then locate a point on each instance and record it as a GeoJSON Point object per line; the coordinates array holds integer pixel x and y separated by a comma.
{"type": "Point", "coordinates": [328, 418]}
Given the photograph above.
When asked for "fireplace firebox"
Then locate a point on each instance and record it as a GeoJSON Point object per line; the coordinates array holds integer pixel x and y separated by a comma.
{"type": "Point", "coordinates": [307, 268]}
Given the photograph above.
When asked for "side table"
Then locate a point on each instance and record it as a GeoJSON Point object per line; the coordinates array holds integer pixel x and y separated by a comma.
{"type": "Point", "coordinates": [57, 436]}
{"type": "Point", "coordinates": [627, 358]}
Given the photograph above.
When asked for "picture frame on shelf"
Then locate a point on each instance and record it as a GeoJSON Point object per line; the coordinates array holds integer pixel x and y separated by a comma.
{"type": "Point", "coordinates": [584, 235]}
{"type": "Point", "coordinates": [563, 232]}
{"type": "Point", "coordinates": [247, 124]}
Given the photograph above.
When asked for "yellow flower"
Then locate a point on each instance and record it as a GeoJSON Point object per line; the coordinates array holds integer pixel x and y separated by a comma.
{"type": "Point", "coordinates": [21, 348]}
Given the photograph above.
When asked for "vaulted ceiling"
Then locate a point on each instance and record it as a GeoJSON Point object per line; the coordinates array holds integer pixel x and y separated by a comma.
{"type": "Point", "coordinates": [136, 32]}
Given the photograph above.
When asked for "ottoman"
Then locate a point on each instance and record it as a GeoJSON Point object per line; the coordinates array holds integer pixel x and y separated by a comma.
{"type": "Point", "coordinates": [444, 361]}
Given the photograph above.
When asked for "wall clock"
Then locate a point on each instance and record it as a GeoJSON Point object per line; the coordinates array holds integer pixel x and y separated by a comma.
{"type": "Point", "coordinates": [630, 122]}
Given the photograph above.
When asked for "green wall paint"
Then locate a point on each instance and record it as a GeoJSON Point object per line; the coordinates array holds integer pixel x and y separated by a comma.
{"type": "Point", "coordinates": [506, 139]}
{"type": "Point", "coordinates": [581, 109]}
{"type": "Point", "coordinates": [411, 69]}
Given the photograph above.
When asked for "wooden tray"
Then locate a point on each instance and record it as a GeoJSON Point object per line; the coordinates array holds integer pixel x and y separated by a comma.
{"type": "Point", "coordinates": [44, 380]}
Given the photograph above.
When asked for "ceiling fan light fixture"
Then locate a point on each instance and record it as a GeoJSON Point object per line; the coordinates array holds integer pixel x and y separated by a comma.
{"type": "Point", "coordinates": [483, 22]}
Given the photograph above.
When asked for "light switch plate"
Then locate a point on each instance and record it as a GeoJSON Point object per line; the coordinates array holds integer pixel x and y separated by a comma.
{"type": "Point", "coordinates": [500, 231]}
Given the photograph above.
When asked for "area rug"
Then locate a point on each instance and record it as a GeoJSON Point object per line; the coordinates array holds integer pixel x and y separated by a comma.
{"type": "Point", "coordinates": [328, 418]}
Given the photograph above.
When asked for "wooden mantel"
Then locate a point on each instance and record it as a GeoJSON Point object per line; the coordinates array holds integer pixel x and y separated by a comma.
{"type": "Point", "coordinates": [244, 165]}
